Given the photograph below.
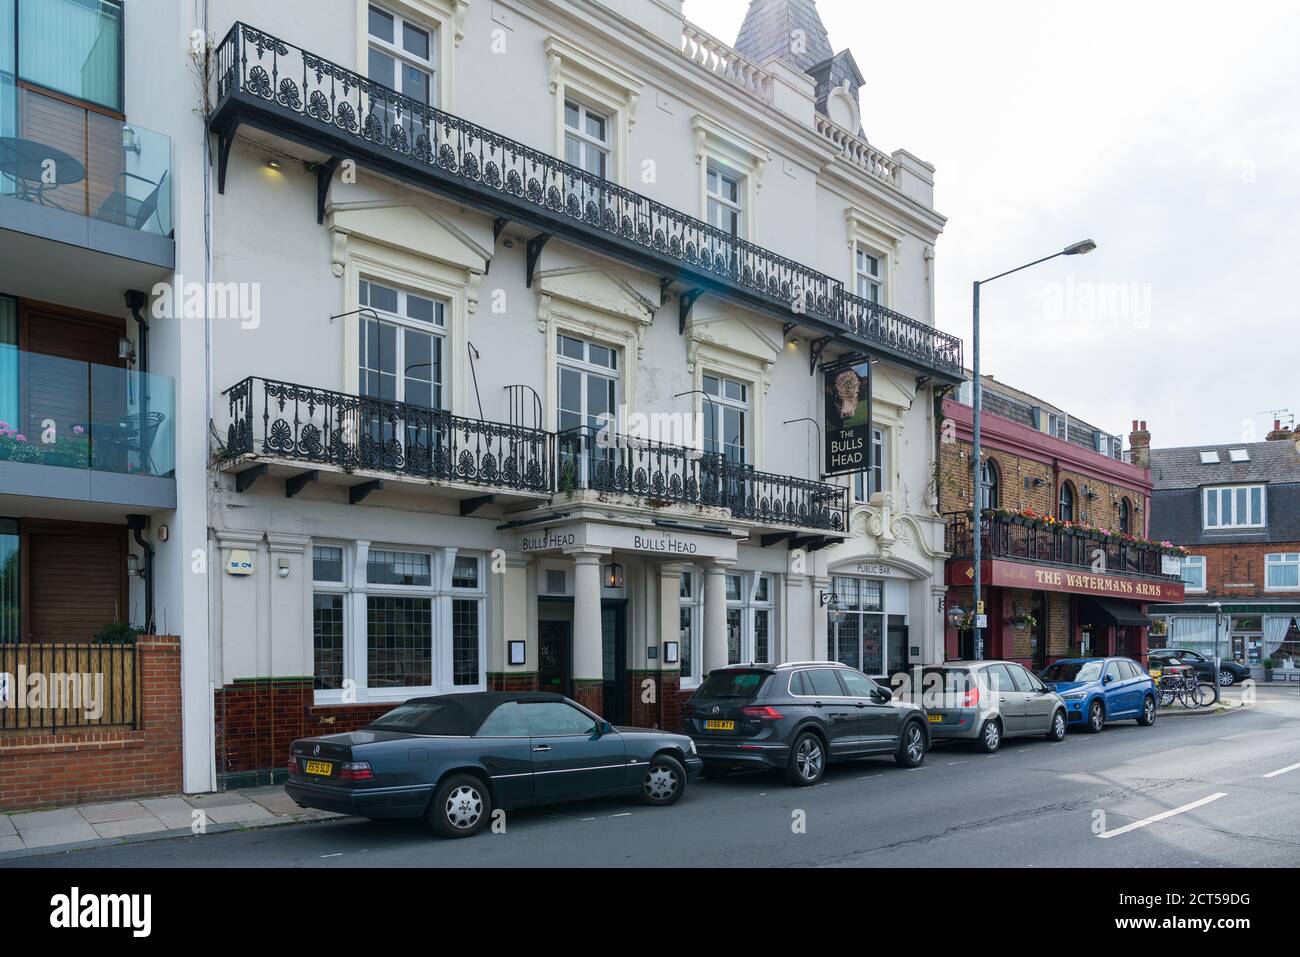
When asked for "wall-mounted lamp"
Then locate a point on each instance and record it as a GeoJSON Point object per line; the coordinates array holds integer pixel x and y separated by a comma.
{"type": "Point", "coordinates": [126, 350]}
{"type": "Point", "coordinates": [163, 533]}
{"type": "Point", "coordinates": [956, 616]}
{"type": "Point", "coordinates": [282, 568]}
{"type": "Point", "coordinates": [613, 575]}
{"type": "Point", "coordinates": [134, 568]}
{"type": "Point", "coordinates": [130, 141]}
{"type": "Point", "coordinates": [831, 602]}
{"type": "Point", "coordinates": [273, 163]}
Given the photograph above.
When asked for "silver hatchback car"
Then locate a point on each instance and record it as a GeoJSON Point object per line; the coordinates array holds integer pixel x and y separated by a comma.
{"type": "Point", "coordinates": [987, 701]}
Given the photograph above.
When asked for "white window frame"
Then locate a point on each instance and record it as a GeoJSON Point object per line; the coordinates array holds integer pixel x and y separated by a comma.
{"type": "Point", "coordinates": [883, 614]}
{"type": "Point", "coordinates": [586, 141]}
{"type": "Point", "coordinates": [586, 368]}
{"type": "Point", "coordinates": [749, 606]}
{"type": "Point", "coordinates": [1217, 491]}
{"type": "Point", "coordinates": [862, 491]}
{"type": "Point", "coordinates": [578, 74]}
{"type": "Point", "coordinates": [693, 605]}
{"type": "Point", "coordinates": [718, 200]}
{"type": "Point", "coordinates": [394, 49]}
{"type": "Point", "coordinates": [442, 594]}
{"type": "Point", "coordinates": [341, 587]}
{"type": "Point", "coordinates": [863, 277]}
{"type": "Point", "coordinates": [437, 329]}
{"type": "Point", "coordinates": [717, 147]}
{"type": "Point", "coordinates": [1282, 560]}
{"type": "Point", "coordinates": [1194, 561]}
{"type": "Point", "coordinates": [716, 405]}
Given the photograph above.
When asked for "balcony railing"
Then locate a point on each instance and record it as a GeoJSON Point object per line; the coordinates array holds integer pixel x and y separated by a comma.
{"type": "Point", "coordinates": [1024, 540]}
{"type": "Point", "coordinates": [345, 111]}
{"type": "Point", "coordinates": [661, 472]}
{"type": "Point", "coordinates": [63, 156]}
{"type": "Point", "coordinates": [81, 415]}
{"type": "Point", "coordinates": [301, 423]}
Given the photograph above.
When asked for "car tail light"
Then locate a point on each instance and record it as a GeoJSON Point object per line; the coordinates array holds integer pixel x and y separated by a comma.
{"type": "Point", "coordinates": [292, 764]}
{"type": "Point", "coordinates": [765, 712]}
{"type": "Point", "coordinates": [971, 698]}
{"type": "Point", "coordinates": [356, 771]}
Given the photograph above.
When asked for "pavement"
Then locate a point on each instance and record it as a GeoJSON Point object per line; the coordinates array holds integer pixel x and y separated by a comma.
{"type": "Point", "coordinates": [28, 833]}
{"type": "Point", "coordinates": [1222, 789]}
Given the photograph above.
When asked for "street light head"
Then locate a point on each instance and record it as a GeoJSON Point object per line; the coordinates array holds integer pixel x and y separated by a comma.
{"type": "Point", "coordinates": [1079, 249]}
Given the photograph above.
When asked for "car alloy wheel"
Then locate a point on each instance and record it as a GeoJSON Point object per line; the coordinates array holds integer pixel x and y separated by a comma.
{"type": "Point", "coordinates": [1148, 710]}
{"type": "Point", "coordinates": [464, 807]}
{"type": "Point", "coordinates": [991, 736]}
{"type": "Point", "coordinates": [1058, 727]}
{"type": "Point", "coordinates": [915, 744]}
{"type": "Point", "coordinates": [808, 758]}
{"type": "Point", "coordinates": [660, 783]}
{"type": "Point", "coordinates": [1227, 679]}
{"type": "Point", "coordinates": [1096, 717]}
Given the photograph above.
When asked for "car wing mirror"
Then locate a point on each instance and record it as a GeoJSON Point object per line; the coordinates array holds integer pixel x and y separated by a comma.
{"type": "Point", "coordinates": [884, 694]}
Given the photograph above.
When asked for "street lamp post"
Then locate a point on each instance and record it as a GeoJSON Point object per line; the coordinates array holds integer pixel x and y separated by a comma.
{"type": "Point", "coordinates": [1077, 249]}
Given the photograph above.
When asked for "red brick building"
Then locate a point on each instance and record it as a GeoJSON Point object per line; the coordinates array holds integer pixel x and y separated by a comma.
{"type": "Point", "coordinates": [1067, 565]}
{"type": "Point", "coordinates": [1236, 508]}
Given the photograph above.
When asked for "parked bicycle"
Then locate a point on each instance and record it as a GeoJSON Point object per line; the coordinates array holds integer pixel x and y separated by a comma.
{"type": "Point", "coordinates": [1184, 688]}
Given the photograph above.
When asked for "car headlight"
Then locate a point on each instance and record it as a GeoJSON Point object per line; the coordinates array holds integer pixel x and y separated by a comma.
{"type": "Point", "coordinates": [1075, 695]}
{"type": "Point", "coordinates": [690, 743]}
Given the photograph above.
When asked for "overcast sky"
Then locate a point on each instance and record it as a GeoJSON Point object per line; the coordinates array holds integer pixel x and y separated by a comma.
{"type": "Point", "coordinates": [1168, 132]}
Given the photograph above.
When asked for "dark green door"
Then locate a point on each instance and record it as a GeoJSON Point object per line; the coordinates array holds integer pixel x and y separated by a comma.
{"type": "Point", "coordinates": [555, 657]}
{"type": "Point", "coordinates": [613, 639]}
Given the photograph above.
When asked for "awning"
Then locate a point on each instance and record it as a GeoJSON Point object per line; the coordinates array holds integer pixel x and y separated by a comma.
{"type": "Point", "coordinates": [1112, 611]}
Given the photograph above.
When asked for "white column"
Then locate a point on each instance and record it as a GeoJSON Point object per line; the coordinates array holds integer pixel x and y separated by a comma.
{"type": "Point", "coordinates": [821, 649]}
{"type": "Point", "coordinates": [587, 662]}
{"type": "Point", "coordinates": [715, 616]}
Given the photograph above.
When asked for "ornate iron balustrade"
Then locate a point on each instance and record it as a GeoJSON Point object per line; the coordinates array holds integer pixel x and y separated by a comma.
{"type": "Point", "coordinates": [305, 424]}
{"type": "Point", "coordinates": [1009, 538]}
{"type": "Point", "coordinates": [592, 458]}
{"type": "Point", "coordinates": [346, 109]}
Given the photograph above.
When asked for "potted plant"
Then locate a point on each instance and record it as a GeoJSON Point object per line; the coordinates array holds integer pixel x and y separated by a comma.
{"type": "Point", "coordinates": [117, 633]}
{"type": "Point", "coordinates": [1269, 665]}
{"type": "Point", "coordinates": [1024, 621]}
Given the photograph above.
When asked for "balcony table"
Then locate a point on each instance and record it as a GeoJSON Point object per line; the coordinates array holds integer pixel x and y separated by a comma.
{"type": "Point", "coordinates": [24, 161]}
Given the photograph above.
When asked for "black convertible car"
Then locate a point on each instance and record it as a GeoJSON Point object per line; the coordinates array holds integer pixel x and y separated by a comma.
{"type": "Point", "coordinates": [453, 758]}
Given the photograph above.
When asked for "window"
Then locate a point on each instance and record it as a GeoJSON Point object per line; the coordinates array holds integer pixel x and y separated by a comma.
{"type": "Point", "coordinates": [1125, 516]}
{"type": "Point", "coordinates": [724, 190]}
{"type": "Point", "coordinates": [750, 622]}
{"type": "Point", "coordinates": [586, 138]}
{"type": "Point", "coordinates": [412, 619]}
{"type": "Point", "coordinates": [862, 488]}
{"type": "Point", "coordinates": [688, 632]}
{"type": "Point", "coordinates": [548, 719]}
{"type": "Point", "coordinates": [1210, 458]}
{"type": "Point", "coordinates": [867, 276]}
{"type": "Point", "coordinates": [1112, 671]}
{"type": "Point", "coordinates": [588, 379]}
{"type": "Point", "coordinates": [1065, 503]}
{"type": "Point", "coordinates": [401, 345]}
{"type": "Point", "coordinates": [1234, 506]}
{"type": "Point", "coordinates": [726, 417]}
{"type": "Point", "coordinates": [328, 617]}
{"type": "Point", "coordinates": [506, 721]}
{"type": "Point", "coordinates": [70, 46]}
{"type": "Point", "coordinates": [1194, 572]}
{"type": "Point", "coordinates": [859, 686]}
{"type": "Point", "coordinates": [1282, 571]}
{"type": "Point", "coordinates": [401, 55]}
{"type": "Point", "coordinates": [821, 682]}
{"type": "Point", "coordinates": [859, 640]}
{"type": "Point", "coordinates": [10, 592]}
{"type": "Point", "coordinates": [990, 482]}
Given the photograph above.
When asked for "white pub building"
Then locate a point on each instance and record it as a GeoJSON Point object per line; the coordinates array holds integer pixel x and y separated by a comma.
{"type": "Point", "coordinates": [556, 299]}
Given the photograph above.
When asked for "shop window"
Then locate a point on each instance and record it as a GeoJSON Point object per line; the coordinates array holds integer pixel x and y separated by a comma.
{"type": "Point", "coordinates": [688, 631]}
{"type": "Point", "coordinates": [750, 618]}
{"type": "Point", "coordinates": [328, 616]}
{"type": "Point", "coordinates": [869, 636]}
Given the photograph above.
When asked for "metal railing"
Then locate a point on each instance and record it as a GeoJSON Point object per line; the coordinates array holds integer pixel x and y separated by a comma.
{"type": "Point", "coordinates": [591, 458]}
{"type": "Point", "coordinates": [1022, 539]}
{"type": "Point", "coordinates": [406, 134]}
{"type": "Point", "coordinates": [81, 685]}
{"type": "Point", "coordinates": [269, 417]}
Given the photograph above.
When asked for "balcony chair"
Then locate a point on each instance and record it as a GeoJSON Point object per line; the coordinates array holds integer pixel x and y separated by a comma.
{"type": "Point", "coordinates": [126, 210]}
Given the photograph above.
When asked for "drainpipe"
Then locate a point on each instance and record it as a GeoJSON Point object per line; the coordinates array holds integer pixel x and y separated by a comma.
{"type": "Point", "coordinates": [137, 524]}
{"type": "Point", "coordinates": [136, 302]}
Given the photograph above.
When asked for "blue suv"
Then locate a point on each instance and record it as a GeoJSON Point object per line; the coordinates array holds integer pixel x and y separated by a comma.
{"type": "Point", "coordinates": [1097, 690]}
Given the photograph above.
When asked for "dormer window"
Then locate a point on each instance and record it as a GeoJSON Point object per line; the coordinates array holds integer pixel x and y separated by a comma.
{"type": "Point", "coordinates": [1233, 506]}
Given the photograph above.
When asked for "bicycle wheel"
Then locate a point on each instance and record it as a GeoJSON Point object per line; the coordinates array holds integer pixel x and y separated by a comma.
{"type": "Point", "coordinates": [1205, 694]}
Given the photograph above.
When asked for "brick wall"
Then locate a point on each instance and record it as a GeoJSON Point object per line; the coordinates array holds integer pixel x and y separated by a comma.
{"type": "Point", "coordinates": [955, 483]}
{"type": "Point", "coordinates": [73, 767]}
{"type": "Point", "coordinates": [1237, 571]}
{"type": "Point", "coordinates": [664, 711]}
{"type": "Point", "coordinates": [512, 681]}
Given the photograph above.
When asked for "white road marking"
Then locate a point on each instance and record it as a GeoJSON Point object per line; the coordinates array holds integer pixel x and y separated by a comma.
{"type": "Point", "coordinates": [1273, 774]}
{"type": "Point", "coordinates": [339, 854]}
{"type": "Point", "coordinates": [1163, 815]}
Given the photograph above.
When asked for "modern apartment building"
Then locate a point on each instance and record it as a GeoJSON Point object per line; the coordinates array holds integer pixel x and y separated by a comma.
{"type": "Point", "coordinates": [1069, 562]}
{"type": "Point", "coordinates": [1236, 508]}
{"type": "Point", "coordinates": [506, 343]}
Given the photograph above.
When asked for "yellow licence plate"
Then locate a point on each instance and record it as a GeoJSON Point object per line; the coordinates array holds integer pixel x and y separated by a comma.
{"type": "Point", "coordinates": [719, 726]}
{"type": "Point", "coordinates": [323, 768]}
{"type": "Point", "coordinates": [935, 718]}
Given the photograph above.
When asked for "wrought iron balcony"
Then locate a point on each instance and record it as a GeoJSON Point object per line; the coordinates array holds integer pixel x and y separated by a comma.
{"type": "Point", "coordinates": [1023, 539]}
{"type": "Point", "coordinates": [305, 424]}
{"type": "Point", "coordinates": [265, 82]}
{"type": "Point", "coordinates": [661, 472]}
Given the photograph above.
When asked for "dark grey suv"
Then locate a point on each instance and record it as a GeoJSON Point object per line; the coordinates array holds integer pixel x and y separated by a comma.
{"type": "Point", "coordinates": [797, 717]}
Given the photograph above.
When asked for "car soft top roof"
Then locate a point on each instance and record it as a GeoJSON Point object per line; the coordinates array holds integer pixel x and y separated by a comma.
{"type": "Point", "coordinates": [462, 714]}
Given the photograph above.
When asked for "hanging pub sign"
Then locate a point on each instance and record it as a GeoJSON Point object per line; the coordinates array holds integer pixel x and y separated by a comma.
{"type": "Point", "coordinates": [848, 418]}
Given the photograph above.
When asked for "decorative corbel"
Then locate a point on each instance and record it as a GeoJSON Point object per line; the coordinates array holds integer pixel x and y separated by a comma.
{"type": "Point", "coordinates": [767, 376]}
{"type": "Point", "coordinates": [760, 164]}
{"type": "Point", "coordinates": [458, 20]}
{"type": "Point", "coordinates": [632, 99]}
{"type": "Point", "coordinates": [474, 280]}
{"type": "Point", "coordinates": [701, 138]}
{"type": "Point", "coordinates": [338, 253]}
{"type": "Point", "coordinates": [543, 313]}
{"type": "Point", "coordinates": [553, 65]}
{"type": "Point", "coordinates": [692, 354]}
